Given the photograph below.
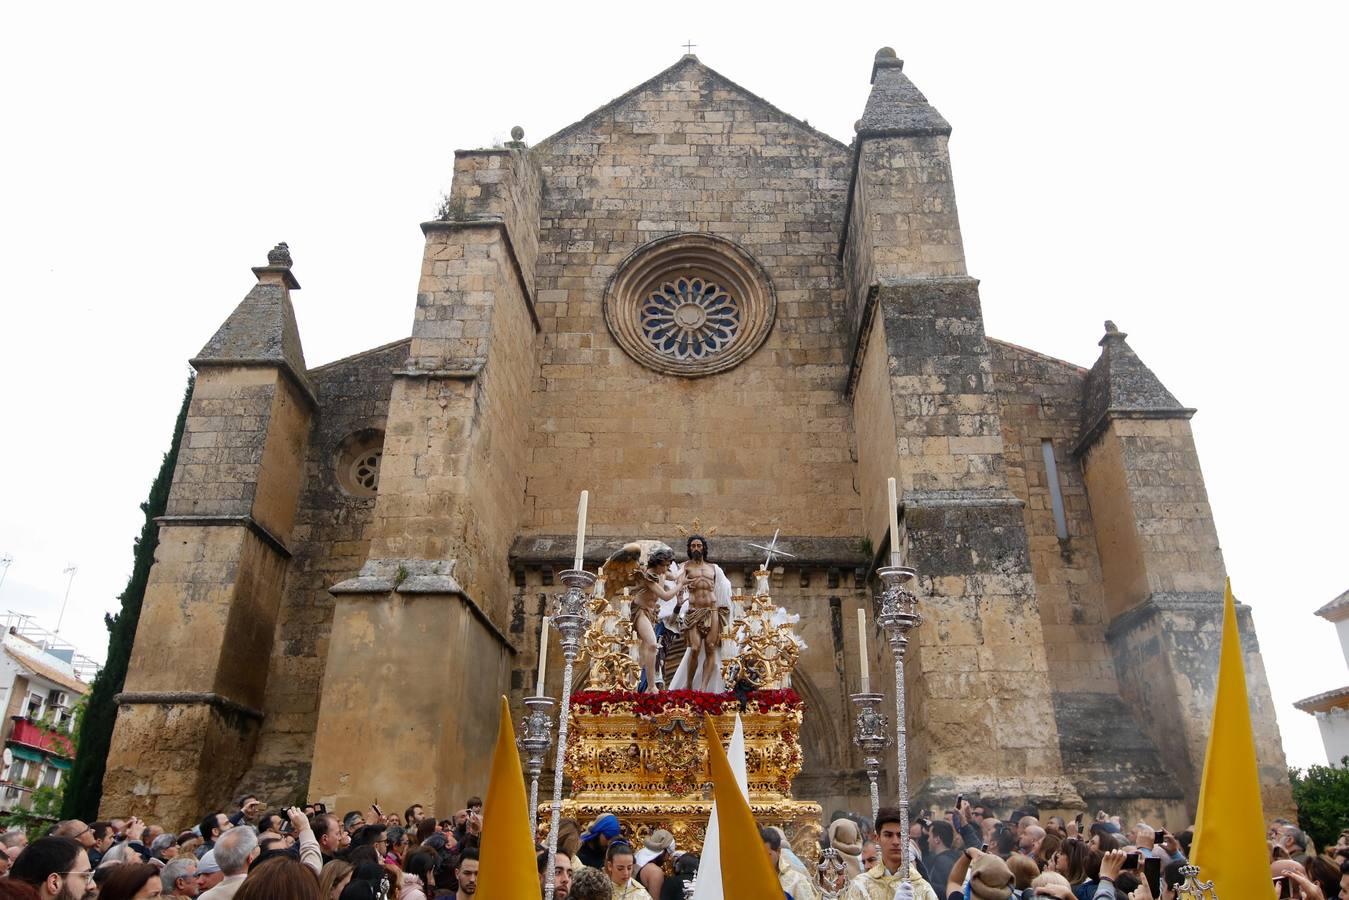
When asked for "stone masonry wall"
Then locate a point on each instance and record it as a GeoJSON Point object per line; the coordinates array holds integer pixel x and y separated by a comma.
{"type": "Point", "coordinates": [1039, 398]}
{"type": "Point", "coordinates": [330, 542]}
{"type": "Point", "coordinates": [452, 480]}
{"type": "Point", "coordinates": [224, 435]}
{"type": "Point", "coordinates": [877, 434]}
{"type": "Point", "coordinates": [691, 152]}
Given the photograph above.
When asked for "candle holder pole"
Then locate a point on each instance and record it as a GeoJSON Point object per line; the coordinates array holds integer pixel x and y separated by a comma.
{"type": "Point", "coordinates": [571, 618]}
{"type": "Point", "coordinates": [536, 734]}
{"type": "Point", "coordinates": [872, 737]}
{"type": "Point", "coordinates": [898, 616]}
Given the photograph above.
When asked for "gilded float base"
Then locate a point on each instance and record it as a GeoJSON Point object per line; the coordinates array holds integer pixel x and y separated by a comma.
{"type": "Point", "coordinates": [643, 758]}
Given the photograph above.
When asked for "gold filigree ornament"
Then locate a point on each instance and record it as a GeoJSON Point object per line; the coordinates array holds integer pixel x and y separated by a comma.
{"type": "Point", "coordinates": [650, 770]}
{"type": "Point", "coordinates": [607, 644]}
{"type": "Point", "coordinates": [769, 648]}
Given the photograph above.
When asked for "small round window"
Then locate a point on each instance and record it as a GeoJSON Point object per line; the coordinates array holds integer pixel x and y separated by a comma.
{"type": "Point", "coordinates": [358, 462]}
{"type": "Point", "coordinates": [365, 471]}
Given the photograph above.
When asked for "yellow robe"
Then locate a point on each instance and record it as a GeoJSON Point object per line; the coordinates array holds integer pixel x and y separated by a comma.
{"type": "Point", "coordinates": [876, 885]}
{"type": "Point", "coordinates": [794, 883]}
{"type": "Point", "coordinates": [633, 890]}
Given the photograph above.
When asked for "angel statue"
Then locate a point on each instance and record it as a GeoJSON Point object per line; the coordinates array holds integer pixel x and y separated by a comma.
{"type": "Point", "coordinates": [642, 569]}
{"type": "Point", "coordinates": [705, 616]}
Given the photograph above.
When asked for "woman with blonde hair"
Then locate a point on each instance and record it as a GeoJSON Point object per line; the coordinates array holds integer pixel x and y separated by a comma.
{"type": "Point", "coordinates": [336, 873]}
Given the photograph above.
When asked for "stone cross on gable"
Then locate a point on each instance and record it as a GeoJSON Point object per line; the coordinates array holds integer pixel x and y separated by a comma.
{"type": "Point", "coordinates": [688, 47]}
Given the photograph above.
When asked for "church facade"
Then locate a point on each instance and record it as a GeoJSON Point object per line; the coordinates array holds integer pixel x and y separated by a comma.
{"type": "Point", "coordinates": [698, 308]}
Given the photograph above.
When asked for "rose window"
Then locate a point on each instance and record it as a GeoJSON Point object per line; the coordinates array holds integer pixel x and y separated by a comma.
{"type": "Point", "coordinates": [689, 305]}
{"type": "Point", "coordinates": [690, 318]}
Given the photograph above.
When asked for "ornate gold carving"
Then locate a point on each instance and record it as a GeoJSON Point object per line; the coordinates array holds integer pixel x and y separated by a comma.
{"type": "Point", "coordinates": [768, 647]}
{"type": "Point", "coordinates": [651, 771]}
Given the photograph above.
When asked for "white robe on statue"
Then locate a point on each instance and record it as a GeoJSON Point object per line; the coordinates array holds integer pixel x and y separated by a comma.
{"type": "Point", "coordinates": [686, 677]}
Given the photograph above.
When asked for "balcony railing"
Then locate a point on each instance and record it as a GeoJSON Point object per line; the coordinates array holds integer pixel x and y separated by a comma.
{"type": "Point", "coordinates": [32, 735]}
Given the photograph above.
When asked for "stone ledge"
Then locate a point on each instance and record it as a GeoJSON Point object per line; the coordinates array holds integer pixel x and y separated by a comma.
{"type": "Point", "coordinates": [727, 550]}
{"type": "Point", "coordinates": [959, 499]}
{"type": "Point", "coordinates": [1192, 602]}
{"type": "Point", "coordinates": [413, 577]}
{"type": "Point", "coordinates": [187, 698]}
{"type": "Point", "coordinates": [468, 373]}
{"type": "Point", "coordinates": [494, 221]}
{"type": "Point", "coordinates": [248, 522]}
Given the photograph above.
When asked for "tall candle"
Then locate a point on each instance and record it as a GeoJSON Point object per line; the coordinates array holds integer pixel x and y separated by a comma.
{"type": "Point", "coordinates": [894, 524]}
{"type": "Point", "coordinates": [579, 562]}
{"type": "Point", "coordinates": [543, 657]}
{"type": "Point", "coordinates": [862, 650]}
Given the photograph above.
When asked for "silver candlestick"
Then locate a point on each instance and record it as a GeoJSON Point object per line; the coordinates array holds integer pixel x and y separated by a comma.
{"type": "Point", "coordinates": [898, 616]}
{"type": "Point", "coordinates": [571, 618]}
{"type": "Point", "coordinates": [872, 737]}
{"type": "Point", "coordinates": [832, 874]}
{"type": "Point", "coordinates": [536, 734]}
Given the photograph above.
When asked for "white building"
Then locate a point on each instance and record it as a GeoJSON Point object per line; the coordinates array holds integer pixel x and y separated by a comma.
{"type": "Point", "coordinates": [1331, 708]}
{"type": "Point", "coordinates": [42, 678]}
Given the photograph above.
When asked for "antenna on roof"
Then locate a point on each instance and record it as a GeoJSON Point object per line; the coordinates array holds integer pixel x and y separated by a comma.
{"type": "Point", "coordinates": [68, 570]}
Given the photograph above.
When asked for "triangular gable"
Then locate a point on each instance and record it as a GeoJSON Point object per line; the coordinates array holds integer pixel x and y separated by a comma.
{"type": "Point", "coordinates": [689, 61]}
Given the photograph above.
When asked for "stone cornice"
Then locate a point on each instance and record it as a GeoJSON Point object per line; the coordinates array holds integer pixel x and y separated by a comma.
{"type": "Point", "coordinates": [811, 551]}
{"type": "Point", "coordinates": [187, 698]}
{"type": "Point", "coordinates": [248, 522]}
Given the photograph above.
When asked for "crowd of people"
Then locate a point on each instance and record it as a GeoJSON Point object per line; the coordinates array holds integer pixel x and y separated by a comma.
{"type": "Point", "coordinates": [310, 854]}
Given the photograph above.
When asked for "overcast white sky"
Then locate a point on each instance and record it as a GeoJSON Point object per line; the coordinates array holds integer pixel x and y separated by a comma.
{"type": "Point", "coordinates": [1178, 168]}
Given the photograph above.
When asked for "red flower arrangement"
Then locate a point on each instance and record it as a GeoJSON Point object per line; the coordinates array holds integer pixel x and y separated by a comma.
{"type": "Point", "coordinates": [593, 702]}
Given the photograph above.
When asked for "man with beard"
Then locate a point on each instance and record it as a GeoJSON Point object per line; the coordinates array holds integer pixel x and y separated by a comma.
{"type": "Point", "coordinates": [57, 866]}
{"type": "Point", "coordinates": [706, 615]}
{"type": "Point", "coordinates": [466, 874]}
{"type": "Point", "coordinates": [561, 875]}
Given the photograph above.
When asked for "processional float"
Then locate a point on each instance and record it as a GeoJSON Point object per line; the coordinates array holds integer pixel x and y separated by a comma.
{"type": "Point", "coordinates": [640, 757]}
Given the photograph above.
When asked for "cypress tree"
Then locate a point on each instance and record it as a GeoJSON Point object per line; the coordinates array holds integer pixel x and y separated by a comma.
{"type": "Point", "coordinates": [84, 787]}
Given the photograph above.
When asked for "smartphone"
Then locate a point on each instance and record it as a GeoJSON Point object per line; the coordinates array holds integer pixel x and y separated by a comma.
{"type": "Point", "coordinates": [1152, 874]}
{"type": "Point", "coordinates": [1078, 819]}
{"type": "Point", "coordinates": [1284, 886]}
{"type": "Point", "coordinates": [1159, 835]}
{"type": "Point", "coordinates": [1130, 860]}
{"type": "Point", "coordinates": [984, 848]}
{"type": "Point", "coordinates": [960, 800]}
{"type": "Point", "coordinates": [375, 807]}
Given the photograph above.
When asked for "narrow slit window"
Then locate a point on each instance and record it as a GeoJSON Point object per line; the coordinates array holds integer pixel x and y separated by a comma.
{"type": "Point", "coordinates": [1055, 491]}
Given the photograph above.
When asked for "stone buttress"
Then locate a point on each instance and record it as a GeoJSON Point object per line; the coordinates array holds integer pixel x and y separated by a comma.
{"type": "Point", "coordinates": [420, 650]}
{"type": "Point", "coordinates": [192, 703]}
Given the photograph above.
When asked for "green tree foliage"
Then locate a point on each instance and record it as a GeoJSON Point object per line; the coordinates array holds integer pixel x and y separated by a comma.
{"type": "Point", "coordinates": [85, 785]}
{"type": "Point", "coordinates": [1322, 797]}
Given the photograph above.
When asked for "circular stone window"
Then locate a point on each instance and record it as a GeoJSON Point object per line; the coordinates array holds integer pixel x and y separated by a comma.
{"type": "Point", "coordinates": [358, 461]}
{"type": "Point", "coordinates": [689, 304]}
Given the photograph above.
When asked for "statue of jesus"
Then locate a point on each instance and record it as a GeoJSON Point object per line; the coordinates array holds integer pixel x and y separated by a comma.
{"type": "Point", "coordinates": [706, 616]}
